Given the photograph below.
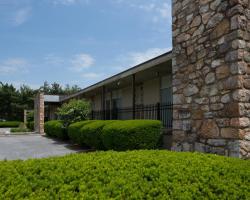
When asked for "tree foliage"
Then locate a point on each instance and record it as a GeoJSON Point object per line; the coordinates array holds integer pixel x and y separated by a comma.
{"type": "Point", "coordinates": [14, 101]}
{"type": "Point", "coordinates": [74, 111]}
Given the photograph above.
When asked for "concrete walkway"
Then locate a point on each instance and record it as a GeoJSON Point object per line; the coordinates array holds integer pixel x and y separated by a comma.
{"type": "Point", "coordinates": [13, 147]}
{"type": "Point", "coordinates": [4, 131]}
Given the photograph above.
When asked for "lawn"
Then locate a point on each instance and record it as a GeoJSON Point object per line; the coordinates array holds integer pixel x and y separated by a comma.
{"type": "Point", "coordinates": [150, 174]}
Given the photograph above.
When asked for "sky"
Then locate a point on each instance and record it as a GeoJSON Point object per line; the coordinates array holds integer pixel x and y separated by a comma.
{"type": "Point", "coordinates": [79, 41]}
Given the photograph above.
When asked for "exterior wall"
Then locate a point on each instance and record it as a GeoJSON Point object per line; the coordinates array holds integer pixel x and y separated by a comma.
{"type": "Point", "coordinates": [151, 90]}
{"type": "Point", "coordinates": [97, 103]}
{"type": "Point", "coordinates": [126, 97]}
{"type": "Point", "coordinates": [39, 113]}
{"type": "Point", "coordinates": [211, 76]}
{"type": "Point", "coordinates": [52, 111]}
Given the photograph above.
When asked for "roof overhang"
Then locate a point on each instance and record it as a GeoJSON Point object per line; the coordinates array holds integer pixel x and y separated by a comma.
{"type": "Point", "coordinates": [138, 68]}
{"type": "Point", "coordinates": [52, 98]}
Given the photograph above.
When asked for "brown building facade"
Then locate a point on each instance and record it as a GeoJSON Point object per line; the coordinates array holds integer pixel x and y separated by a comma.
{"type": "Point", "coordinates": [200, 90]}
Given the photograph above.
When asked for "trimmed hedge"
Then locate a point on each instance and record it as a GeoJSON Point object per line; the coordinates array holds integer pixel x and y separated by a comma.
{"type": "Point", "coordinates": [10, 124]}
{"type": "Point", "coordinates": [91, 133]}
{"type": "Point", "coordinates": [56, 129]}
{"type": "Point", "coordinates": [127, 175]}
{"type": "Point", "coordinates": [74, 131]}
{"type": "Point", "coordinates": [132, 134]}
{"type": "Point", "coordinates": [116, 134]}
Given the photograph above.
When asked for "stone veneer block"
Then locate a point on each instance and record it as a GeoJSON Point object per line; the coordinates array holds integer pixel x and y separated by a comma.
{"type": "Point", "coordinates": [211, 76]}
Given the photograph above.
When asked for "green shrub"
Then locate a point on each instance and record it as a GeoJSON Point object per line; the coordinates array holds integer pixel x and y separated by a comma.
{"type": "Point", "coordinates": [74, 131]}
{"type": "Point", "coordinates": [56, 129]}
{"type": "Point", "coordinates": [132, 134]}
{"type": "Point", "coordinates": [127, 175]}
{"type": "Point", "coordinates": [9, 124]}
{"type": "Point", "coordinates": [19, 130]}
{"type": "Point", "coordinates": [74, 111]}
{"type": "Point", "coordinates": [91, 133]}
{"type": "Point", "coordinates": [30, 125]}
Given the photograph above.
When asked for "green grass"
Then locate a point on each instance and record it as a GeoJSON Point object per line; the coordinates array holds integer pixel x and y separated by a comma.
{"type": "Point", "coordinates": [127, 175]}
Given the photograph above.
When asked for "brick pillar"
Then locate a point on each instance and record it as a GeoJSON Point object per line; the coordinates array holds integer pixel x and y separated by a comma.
{"type": "Point", "coordinates": [39, 113]}
{"type": "Point", "coordinates": [211, 76]}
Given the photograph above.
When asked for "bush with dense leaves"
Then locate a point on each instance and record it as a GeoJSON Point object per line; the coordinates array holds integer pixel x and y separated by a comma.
{"type": "Point", "coordinates": [21, 129]}
{"type": "Point", "coordinates": [91, 133]}
{"type": "Point", "coordinates": [132, 134]}
{"type": "Point", "coordinates": [55, 128]}
{"type": "Point", "coordinates": [74, 131]}
{"type": "Point", "coordinates": [74, 111]}
{"type": "Point", "coordinates": [10, 124]}
{"type": "Point", "coordinates": [127, 175]}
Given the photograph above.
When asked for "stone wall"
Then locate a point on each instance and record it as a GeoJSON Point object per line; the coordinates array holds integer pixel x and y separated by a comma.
{"type": "Point", "coordinates": [39, 113]}
{"type": "Point", "coordinates": [211, 76]}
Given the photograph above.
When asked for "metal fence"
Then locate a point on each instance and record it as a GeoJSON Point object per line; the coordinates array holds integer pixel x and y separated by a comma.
{"type": "Point", "coordinates": [163, 112]}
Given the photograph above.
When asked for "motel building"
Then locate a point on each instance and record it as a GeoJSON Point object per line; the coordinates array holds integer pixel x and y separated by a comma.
{"type": "Point", "coordinates": [200, 90]}
{"type": "Point", "coordinates": [141, 92]}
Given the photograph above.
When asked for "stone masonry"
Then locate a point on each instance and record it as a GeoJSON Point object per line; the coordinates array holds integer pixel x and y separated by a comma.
{"type": "Point", "coordinates": [211, 76]}
{"type": "Point", "coordinates": [39, 113]}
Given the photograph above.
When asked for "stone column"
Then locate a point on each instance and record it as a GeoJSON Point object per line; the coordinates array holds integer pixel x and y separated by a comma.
{"type": "Point", "coordinates": [25, 117]}
{"type": "Point", "coordinates": [211, 76]}
{"type": "Point", "coordinates": [39, 113]}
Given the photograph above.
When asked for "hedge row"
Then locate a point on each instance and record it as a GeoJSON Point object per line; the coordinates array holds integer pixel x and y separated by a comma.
{"type": "Point", "coordinates": [127, 175]}
{"type": "Point", "coordinates": [110, 134]}
{"type": "Point", "coordinates": [131, 134]}
{"type": "Point", "coordinates": [56, 129]}
{"type": "Point", "coordinates": [10, 124]}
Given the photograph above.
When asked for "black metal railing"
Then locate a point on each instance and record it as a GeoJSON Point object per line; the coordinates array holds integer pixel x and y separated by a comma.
{"type": "Point", "coordinates": [163, 112]}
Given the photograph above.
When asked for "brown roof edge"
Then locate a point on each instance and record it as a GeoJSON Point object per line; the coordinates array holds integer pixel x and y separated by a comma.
{"type": "Point", "coordinates": [133, 70]}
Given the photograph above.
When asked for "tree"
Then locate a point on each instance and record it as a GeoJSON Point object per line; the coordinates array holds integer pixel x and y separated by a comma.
{"type": "Point", "coordinates": [71, 90]}
{"type": "Point", "coordinates": [9, 107]}
{"type": "Point", "coordinates": [74, 111]}
{"type": "Point", "coordinates": [56, 89]}
{"type": "Point", "coordinates": [13, 101]}
{"type": "Point", "coordinates": [45, 88]}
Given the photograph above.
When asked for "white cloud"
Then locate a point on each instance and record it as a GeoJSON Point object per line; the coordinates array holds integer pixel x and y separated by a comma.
{"type": "Point", "coordinates": [68, 2]}
{"type": "Point", "coordinates": [14, 65]}
{"type": "Point", "coordinates": [135, 58]}
{"type": "Point", "coordinates": [52, 59]}
{"type": "Point", "coordinates": [18, 83]}
{"type": "Point", "coordinates": [21, 16]}
{"type": "Point", "coordinates": [164, 12]}
{"type": "Point", "coordinates": [92, 75]}
{"type": "Point", "coordinates": [160, 10]}
{"type": "Point", "coordinates": [81, 62]}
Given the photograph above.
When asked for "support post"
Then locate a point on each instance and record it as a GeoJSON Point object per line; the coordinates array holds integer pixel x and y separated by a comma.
{"type": "Point", "coordinates": [158, 111]}
{"type": "Point", "coordinates": [111, 105]}
{"type": "Point", "coordinates": [133, 95]}
{"type": "Point", "coordinates": [25, 117]}
{"type": "Point", "coordinates": [103, 103]}
{"type": "Point", "coordinates": [39, 113]}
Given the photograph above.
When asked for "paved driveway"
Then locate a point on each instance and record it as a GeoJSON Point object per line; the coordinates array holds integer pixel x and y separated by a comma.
{"type": "Point", "coordinates": [32, 146]}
